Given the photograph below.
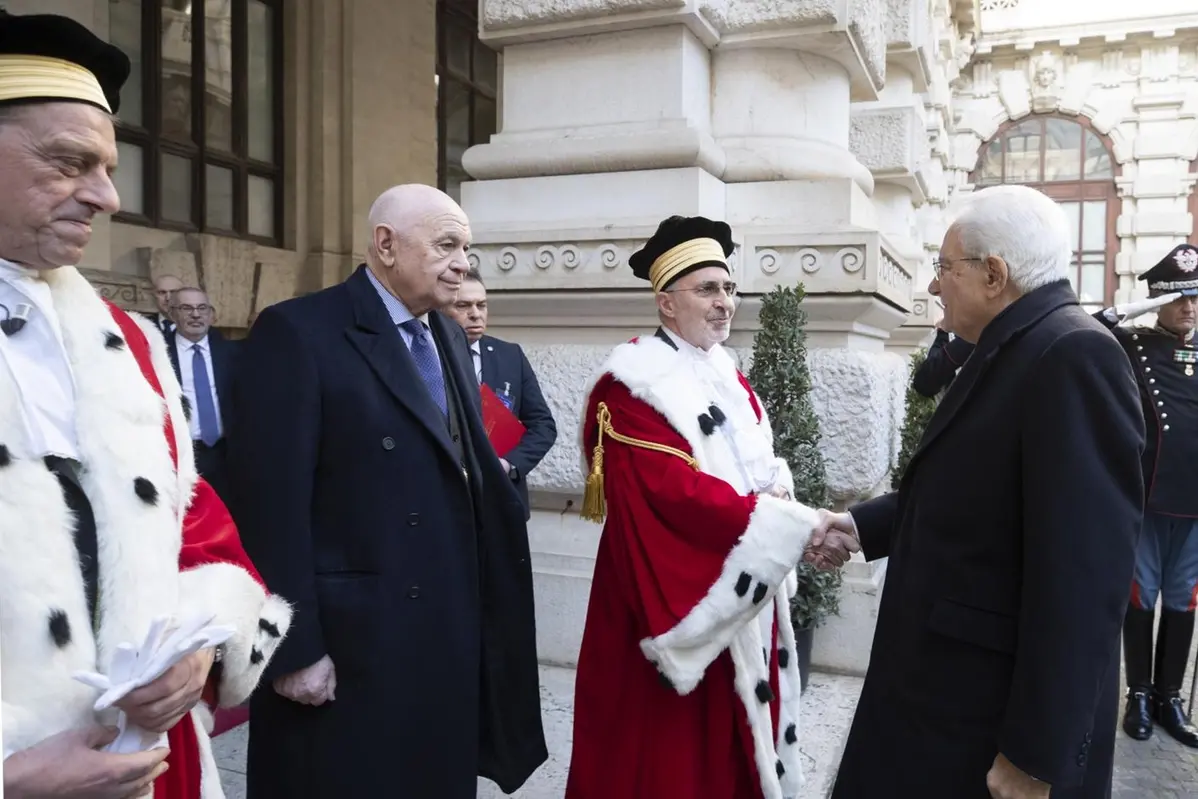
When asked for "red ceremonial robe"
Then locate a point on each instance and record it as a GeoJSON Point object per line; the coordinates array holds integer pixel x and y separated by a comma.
{"type": "Point", "coordinates": [165, 543]}
{"type": "Point", "coordinates": [677, 693]}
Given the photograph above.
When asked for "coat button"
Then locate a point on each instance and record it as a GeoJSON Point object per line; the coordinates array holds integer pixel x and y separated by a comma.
{"type": "Point", "coordinates": [414, 592]}
{"type": "Point", "coordinates": [1166, 427]}
{"type": "Point", "coordinates": [1143, 357]}
{"type": "Point", "coordinates": [413, 519]}
{"type": "Point", "coordinates": [388, 443]}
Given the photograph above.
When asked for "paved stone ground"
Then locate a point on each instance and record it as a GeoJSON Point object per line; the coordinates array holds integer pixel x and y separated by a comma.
{"type": "Point", "coordinates": [1158, 768]}
{"type": "Point", "coordinates": [827, 711]}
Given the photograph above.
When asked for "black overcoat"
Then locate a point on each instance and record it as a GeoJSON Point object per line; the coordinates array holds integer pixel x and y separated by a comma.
{"type": "Point", "coordinates": [1011, 543]}
{"type": "Point", "coordinates": [415, 579]}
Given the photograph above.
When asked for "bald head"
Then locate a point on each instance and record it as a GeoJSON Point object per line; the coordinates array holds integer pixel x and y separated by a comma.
{"type": "Point", "coordinates": [418, 242]}
{"type": "Point", "coordinates": [164, 287]}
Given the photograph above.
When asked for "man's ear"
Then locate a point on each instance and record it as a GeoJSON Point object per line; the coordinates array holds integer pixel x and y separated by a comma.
{"type": "Point", "coordinates": [998, 276]}
{"type": "Point", "coordinates": [384, 240]}
{"type": "Point", "coordinates": [665, 304]}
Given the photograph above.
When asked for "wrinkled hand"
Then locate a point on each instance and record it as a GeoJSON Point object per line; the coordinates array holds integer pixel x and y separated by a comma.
{"type": "Point", "coordinates": [158, 706]}
{"type": "Point", "coordinates": [314, 685]}
{"type": "Point", "coordinates": [507, 467]}
{"type": "Point", "coordinates": [1006, 781]}
{"type": "Point", "coordinates": [69, 766]}
{"type": "Point", "coordinates": [779, 492]}
{"type": "Point", "coordinates": [833, 541]}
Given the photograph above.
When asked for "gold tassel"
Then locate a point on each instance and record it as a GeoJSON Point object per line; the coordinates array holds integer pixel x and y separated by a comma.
{"type": "Point", "coordinates": [594, 505]}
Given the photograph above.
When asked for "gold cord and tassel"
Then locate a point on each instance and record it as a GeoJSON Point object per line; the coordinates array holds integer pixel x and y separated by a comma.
{"type": "Point", "coordinates": [594, 505]}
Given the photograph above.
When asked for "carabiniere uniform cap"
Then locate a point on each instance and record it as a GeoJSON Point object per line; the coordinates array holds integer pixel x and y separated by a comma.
{"type": "Point", "coordinates": [45, 58]}
{"type": "Point", "coordinates": [680, 246]}
{"type": "Point", "coordinates": [1177, 271]}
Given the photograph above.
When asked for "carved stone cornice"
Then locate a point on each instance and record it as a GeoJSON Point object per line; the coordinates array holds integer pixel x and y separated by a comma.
{"type": "Point", "coordinates": [129, 292]}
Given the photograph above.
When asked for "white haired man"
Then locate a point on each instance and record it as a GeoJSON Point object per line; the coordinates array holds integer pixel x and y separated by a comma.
{"type": "Point", "coordinates": [995, 663]}
{"type": "Point", "coordinates": [104, 525]}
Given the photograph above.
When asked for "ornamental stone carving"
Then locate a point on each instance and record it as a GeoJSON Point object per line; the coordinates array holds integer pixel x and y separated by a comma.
{"type": "Point", "coordinates": [499, 14]}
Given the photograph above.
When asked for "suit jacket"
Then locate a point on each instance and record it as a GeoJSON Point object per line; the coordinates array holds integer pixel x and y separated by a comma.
{"type": "Point", "coordinates": [156, 321]}
{"type": "Point", "coordinates": [940, 366]}
{"type": "Point", "coordinates": [505, 366]}
{"type": "Point", "coordinates": [225, 355]}
{"type": "Point", "coordinates": [1011, 542]}
{"type": "Point", "coordinates": [411, 575]}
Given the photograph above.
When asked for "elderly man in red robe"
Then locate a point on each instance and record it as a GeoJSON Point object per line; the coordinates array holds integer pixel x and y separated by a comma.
{"type": "Point", "coordinates": [688, 681]}
{"type": "Point", "coordinates": [105, 528]}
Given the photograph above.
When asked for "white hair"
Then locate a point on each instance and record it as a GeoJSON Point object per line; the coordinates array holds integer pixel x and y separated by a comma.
{"type": "Point", "coordinates": [1023, 227]}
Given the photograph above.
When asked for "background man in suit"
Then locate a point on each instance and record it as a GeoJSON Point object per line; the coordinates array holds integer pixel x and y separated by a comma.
{"type": "Point", "coordinates": [1011, 538]}
{"type": "Point", "coordinates": [204, 362]}
{"type": "Point", "coordinates": [503, 366]}
{"type": "Point", "coordinates": [364, 483]}
{"type": "Point", "coordinates": [164, 289]}
{"type": "Point", "coordinates": [944, 358]}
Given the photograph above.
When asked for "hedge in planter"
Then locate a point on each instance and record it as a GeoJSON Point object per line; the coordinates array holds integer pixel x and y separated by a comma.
{"type": "Point", "coordinates": [919, 413]}
{"type": "Point", "coordinates": [780, 378]}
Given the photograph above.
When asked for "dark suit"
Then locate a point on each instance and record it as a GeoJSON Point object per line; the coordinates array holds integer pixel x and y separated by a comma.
{"type": "Point", "coordinates": [506, 369]}
{"type": "Point", "coordinates": [413, 577]}
{"type": "Point", "coordinates": [1011, 543]}
{"type": "Point", "coordinates": [940, 366]}
{"type": "Point", "coordinates": [210, 461]}
{"type": "Point", "coordinates": [165, 326]}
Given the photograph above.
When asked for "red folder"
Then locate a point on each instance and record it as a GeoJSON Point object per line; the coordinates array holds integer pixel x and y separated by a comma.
{"type": "Point", "coordinates": [503, 428]}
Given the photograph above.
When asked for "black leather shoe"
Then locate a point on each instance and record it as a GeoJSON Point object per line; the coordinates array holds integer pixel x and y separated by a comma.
{"type": "Point", "coordinates": [1172, 718]}
{"type": "Point", "coordinates": [1137, 718]}
{"type": "Point", "coordinates": [1137, 658]}
{"type": "Point", "coordinates": [1172, 650]}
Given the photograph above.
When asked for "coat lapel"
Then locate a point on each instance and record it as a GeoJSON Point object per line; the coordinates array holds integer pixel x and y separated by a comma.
{"type": "Point", "coordinates": [380, 343]}
{"type": "Point", "coordinates": [459, 377]}
{"type": "Point", "coordinates": [1008, 326]}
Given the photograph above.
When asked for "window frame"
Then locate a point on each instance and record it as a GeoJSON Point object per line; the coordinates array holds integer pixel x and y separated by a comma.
{"type": "Point", "coordinates": [464, 14]}
{"type": "Point", "coordinates": [1079, 190]}
{"type": "Point", "coordinates": [148, 136]}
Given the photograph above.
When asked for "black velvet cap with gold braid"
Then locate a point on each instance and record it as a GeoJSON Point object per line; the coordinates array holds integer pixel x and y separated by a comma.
{"type": "Point", "coordinates": [47, 58]}
{"type": "Point", "coordinates": [682, 244]}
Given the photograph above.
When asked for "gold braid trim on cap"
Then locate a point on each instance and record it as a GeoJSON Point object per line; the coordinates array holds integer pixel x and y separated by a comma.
{"type": "Point", "coordinates": [25, 77]}
{"type": "Point", "coordinates": [696, 251]}
{"type": "Point", "coordinates": [594, 507]}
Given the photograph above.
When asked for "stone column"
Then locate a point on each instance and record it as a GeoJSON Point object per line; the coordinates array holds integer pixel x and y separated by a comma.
{"type": "Point", "coordinates": [618, 114]}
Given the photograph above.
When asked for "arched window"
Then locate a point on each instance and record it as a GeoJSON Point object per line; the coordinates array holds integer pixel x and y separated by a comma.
{"type": "Point", "coordinates": [467, 85]}
{"type": "Point", "coordinates": [1070, 162]}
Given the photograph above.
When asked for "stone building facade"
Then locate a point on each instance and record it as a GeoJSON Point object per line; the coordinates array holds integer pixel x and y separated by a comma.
{"type": "Point", "coordinates": [834, 135]}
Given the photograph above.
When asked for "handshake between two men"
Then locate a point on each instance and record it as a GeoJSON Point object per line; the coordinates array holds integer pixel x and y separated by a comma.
{"type": "Point", "coordinates": [833, 540]}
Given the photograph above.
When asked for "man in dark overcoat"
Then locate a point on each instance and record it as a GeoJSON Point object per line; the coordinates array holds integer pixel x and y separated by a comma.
{"type": "Point", "coordinates": [1011, 540]}
{"type": "Point", "coordinates": [365, 484]}
{"type": "Point", "coordinates": [1165, 359]}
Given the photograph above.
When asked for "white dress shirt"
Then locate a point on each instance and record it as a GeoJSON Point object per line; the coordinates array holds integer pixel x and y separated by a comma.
{"type": "Point", "coordinates": [476, 355]}
{"type": "Point", "coordinates": [37, 360]}
{"type": "Point", "coordinates": [188, 350]}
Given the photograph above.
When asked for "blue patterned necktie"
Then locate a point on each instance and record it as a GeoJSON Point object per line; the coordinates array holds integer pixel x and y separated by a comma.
{"type": "Point", "coordinates": [427, 363]}
{"type": "Point", "coordinates": [209, 426]}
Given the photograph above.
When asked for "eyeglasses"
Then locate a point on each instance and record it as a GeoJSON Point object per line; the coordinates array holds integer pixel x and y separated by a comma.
{"type": "Point", "coordinates": [940, 264]}
{"type": "Point", "coordinates": [190, 309]}
{"type": "Point", "coordinates": [708, 290]}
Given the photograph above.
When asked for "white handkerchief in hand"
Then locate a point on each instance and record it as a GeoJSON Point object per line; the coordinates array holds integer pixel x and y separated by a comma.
{"type": "Point", "coordinates": [135, 667]}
